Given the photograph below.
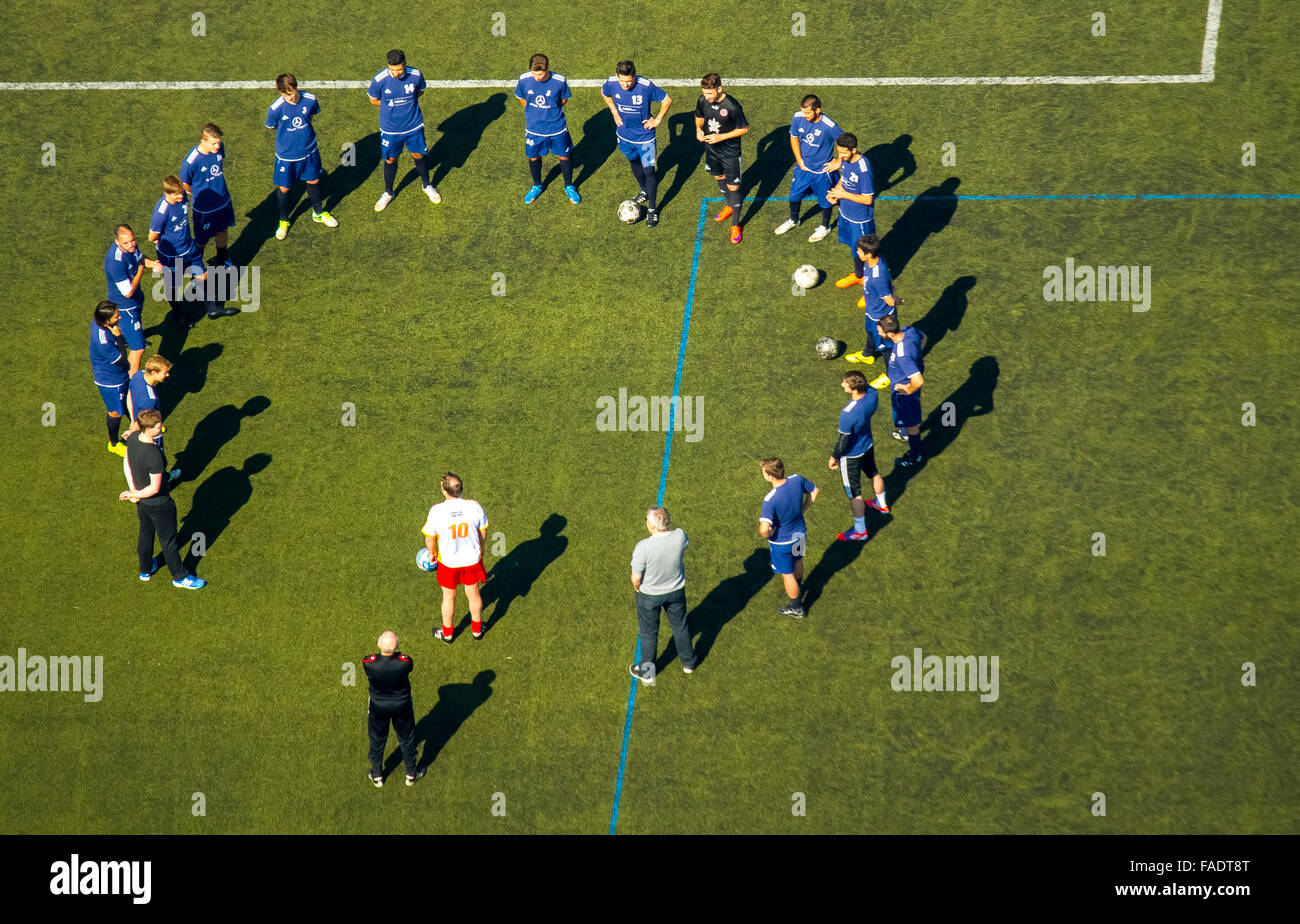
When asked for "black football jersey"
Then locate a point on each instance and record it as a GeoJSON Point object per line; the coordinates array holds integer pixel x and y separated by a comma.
{"type": "Point", "coordinates": [726, 115]}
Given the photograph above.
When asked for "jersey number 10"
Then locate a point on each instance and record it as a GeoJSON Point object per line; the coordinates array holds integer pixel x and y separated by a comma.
{"type": "Point", "coordinates": [459, 530]}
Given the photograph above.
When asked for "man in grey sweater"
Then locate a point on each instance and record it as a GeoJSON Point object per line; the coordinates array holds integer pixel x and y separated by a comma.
{"type": "Point", "coordinates": [660, 583]}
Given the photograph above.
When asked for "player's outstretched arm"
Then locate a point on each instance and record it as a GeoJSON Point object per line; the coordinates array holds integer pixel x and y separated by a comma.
{"type": "Point", "coordinates": [661, 115]}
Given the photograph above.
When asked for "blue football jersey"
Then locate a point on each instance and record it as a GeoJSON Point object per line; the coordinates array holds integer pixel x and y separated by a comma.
{"type": "Point", "coordinates": [633, 107]}
{"type": "Point", "coordinates": [399, 110]}
{"type": "Point", "coordinates": [205, 176]}
{"type": "Point", "coordinates": [172, 219]}
{"type": "Point", "coordinates": [855, 177]}
{"type": "Point", "coordinates": [855, 421]}
{"type": "Point", "coordinates": [119, 270]}
{"type": "Point", "coordinates": [876, 284]}
{"type": "Point", "coordinates": [783, 509]}
{"type": "Point", "coordinates": [905, 359]}
{"type": "Point", "coordinates": [543, 115]}
{"type": "Point", "coordinates": [295, 138]}
{"type": "Point", "coordinates": [107, 356]}
{"type": "Point", "coordinates": [143, 395]}
{"type": "Point", "coordinates": [816, 140]}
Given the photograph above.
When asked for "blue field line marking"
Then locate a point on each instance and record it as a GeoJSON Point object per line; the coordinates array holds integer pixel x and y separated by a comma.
{"type": "Point", "coordinates": [663, 490]}
{"type": "Point", "coordinates": [1047, 198]}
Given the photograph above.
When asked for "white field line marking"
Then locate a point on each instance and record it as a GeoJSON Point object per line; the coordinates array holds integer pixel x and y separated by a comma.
{"type": "Point", "coordinates": [1208, 51]}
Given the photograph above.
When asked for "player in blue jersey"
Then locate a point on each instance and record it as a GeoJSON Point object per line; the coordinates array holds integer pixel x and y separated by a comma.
{"type": "Point", "coordinates": [109, 364]}
{"type": "Point", "coordinates": [854, 453]}
{"type": "Point", "coordinates": [855, 193]}
{"type": "Point", "coordinates": [878, 301]}
{"type": "Point", "coordinates": [124, 268]}
{"type": "Point", "coordinates": [169, 231]}
{"type": "Point", "coordinates": [781, 523]}
{"type": "Point", "coordinates": [397, 91]}
{"type": "Point", "coordinates": [297, 156]}
{"type": "Point", "coordinates": [816, 168]}
{"type": "Point", "coordinates": [628, 98]}
{"type": "Point", "coordinates": [905, 368]}
{"type": "Point", "coordinates": [543, 95]}
{"type": "Point", "coordinates": [204, 176]}
{"type": "Point", "coordinates": [142, 395]}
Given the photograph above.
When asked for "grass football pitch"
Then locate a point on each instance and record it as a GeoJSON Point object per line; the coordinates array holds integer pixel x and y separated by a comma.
{"type": "Point", "coordinates": [481, 334]}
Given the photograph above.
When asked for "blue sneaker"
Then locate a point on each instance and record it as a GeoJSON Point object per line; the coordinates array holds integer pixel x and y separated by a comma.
{"type": "Point", "coordinates": [144, 576]}
{"type": "Point", "coordinates": [572, 193]}
{"type": "Point", "coordinates": [190, 582]}
{"type": "Point", "coordinates": [532, 194]}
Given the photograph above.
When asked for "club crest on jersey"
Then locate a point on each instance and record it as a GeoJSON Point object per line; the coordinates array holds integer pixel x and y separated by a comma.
{"type": "Point", "coordinates": [722, 112]}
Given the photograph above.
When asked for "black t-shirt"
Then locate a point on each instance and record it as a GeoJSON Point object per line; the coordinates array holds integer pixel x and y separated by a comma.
{"type": "Point", "coordinates": [721, 117]}
{"type": "Point", "coordinates": [390, 678]}
{"type": "Point", "coordinates": [145, 459]}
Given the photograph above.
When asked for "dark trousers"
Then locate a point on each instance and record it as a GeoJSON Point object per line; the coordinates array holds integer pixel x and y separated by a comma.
{"type": "Point", "coordinates": [158, 515]}
{"type": "Point", "coordinates": [403, 719]}
{"type": "Point", "coordinates": [647, 614]}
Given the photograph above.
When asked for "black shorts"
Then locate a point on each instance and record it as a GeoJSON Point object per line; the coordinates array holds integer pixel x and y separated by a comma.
{"type": "Point", "coordinates": [852, 468]}
{"type": "Point", "coordinates": [724, 165]}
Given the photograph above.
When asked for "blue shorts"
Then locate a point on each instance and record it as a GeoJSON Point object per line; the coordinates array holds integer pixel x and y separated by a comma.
{"type": "Point", "coordinates": [644, 151]}
{"type": "Point", "coordinates": [208, 225]}
{"type": "Point", "coordinates": [114, 397]}
{"type": "Point", "coordinates": [786, 554]}
{"type": "Point", "coordinates": [907, 408]}
{"type": "Point", "coordinates": [560, 145]}
{"type": "Point", "coordinates": [288, 172]}
{"type": "Point", "coordinates": [131, 325]}
{"type": "Point", "coordinates": [850, 231]}
{"type": "Point", "coordinates": [807, 183]}
{"type": "Point", "coordinates": [391, 145]}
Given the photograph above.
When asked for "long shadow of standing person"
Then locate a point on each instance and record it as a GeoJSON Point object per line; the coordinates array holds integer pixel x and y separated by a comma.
{"type": "Point", "coordinates": [345, 179]}
{"type": "Point", "coordinates": [456, 703]}
{"type": "Point", "coordinates": [722, 604]}
{"type": "Point", "coordinates": [217, 500]}
{"type": "Point", "coordinates": [215, 430]}
{"type": "Point", "coordinates": [189, 374]}
{"type": "Point", "coordinates": [594, 147]}
{"type": "Point", "coordinates": [772, 162]}
{"type": "Point", "coordinates": [889, 158]}
{"type": "Point", "coordinates": [514, 575]}
{"type": "Point", "coordinates": [838, 556]}
{"type": "Point", "coordinates": [460, 134]}
{"type": "Point", "coordinates": [928, 214]}
{"type": "Point", "coordinates": [946, 313]}
{"type": "Point", "coordinates": [682, 155]}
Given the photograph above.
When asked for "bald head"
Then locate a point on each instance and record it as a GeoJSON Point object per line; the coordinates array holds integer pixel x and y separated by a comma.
{"type": "Point", "coordinates": [388, 643]}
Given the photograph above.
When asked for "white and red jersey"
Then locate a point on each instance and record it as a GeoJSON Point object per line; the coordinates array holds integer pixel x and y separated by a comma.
{"type": "Point", "coordinates": [456, 524]}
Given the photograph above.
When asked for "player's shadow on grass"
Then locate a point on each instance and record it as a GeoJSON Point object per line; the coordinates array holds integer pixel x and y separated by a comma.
{"type": "Point", "coordinates": [888, 159]}
{"type": "Point", "coordinates": [838, 556]}
{"type": "Point", "coordinates": [459, 136]}
{"type": "Point", "coordinates": [216, 502]}
{"type": "Point", "coordinates": [720, 605]}
{"type": "Point", "coordinates": [929, 213]}
{"type": "Point", "coordinates": [263, 219]}
{"type": "Point", "coordinates": [973, 398]}
{"type": "Point", "coordinates": [682, 155]}
{"type": "Point", "coordinates": [514, 575]}
{"type": "Point", "coordinates": [593, 149]}
{"type": "Point", "coordinates": [188, 375]}
{"type": "Point", "coordinates": [342, 181]}
{"type": "Point", "coordinates": [215, 430]}
{"type": "Point", "coordinates": [772, 162]}
{"type": "Point", "coordinates": [945, 314]}
{"type": "Point", "coordinates": [456, 703]}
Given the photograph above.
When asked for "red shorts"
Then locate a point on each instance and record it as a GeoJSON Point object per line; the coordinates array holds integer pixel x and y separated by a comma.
{"type": "Point", "coordinates": [451, 578]}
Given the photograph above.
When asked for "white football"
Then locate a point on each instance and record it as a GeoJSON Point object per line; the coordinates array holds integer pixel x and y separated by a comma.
{"type": "Point", "coordinates": [629, 212]}
{"type": "Point", "coordinates": [424, 562]}
{"type": "Point", "coordinates": [827, 347]}
{"type": "Point", "coordinates": [807, 276]}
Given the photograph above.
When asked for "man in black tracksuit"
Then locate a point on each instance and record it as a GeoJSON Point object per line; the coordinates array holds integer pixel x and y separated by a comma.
{"type": "Point", "coordinates": [389, 674]}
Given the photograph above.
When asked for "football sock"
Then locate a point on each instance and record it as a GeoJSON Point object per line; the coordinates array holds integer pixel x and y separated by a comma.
{"type": "Point", "coordinates": [858, 267]}
{"type": "Point", "coordinates": [313, 193]}
{"type": "Point", "coordinates": [422, 168]}
{"type": "Point", "coordinates": [733, 200]}
{"type": "Point", "coordinates": [566, 167]}
{"type": "Point", "coordinates": [282, 201]}
{"type": "Point", "coordinates": [651, 188]}
{"type": "Point", "coordinates": [914, 444]}
{"type": "Point", "coordinates": [859, 524]}
{"type": "Point", "coordinates": [826, 217]}
{"type": "Point", "coordinates": [535, 168]}
{"type": "Point", "coordinates": [794, 210]}
{"type": "Point", "coordinates": [390, 174]}
{"type": "Point", "coordinates": [880, 499]}
{"type": "Point", "coordinates": [446, 631]}
{"type": "Point", "coordinates": [638, 173]}
{"type": "Point", "coordinates": [859, 507]}
{"type": "Point", "coordinates": [476, 625]}
{"type": "Point", "coordinates": [221, 254]}
{"type": "Point", "coordinates": [114, 427]}
{"type": "Point", "coordinates": [722, 185]}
